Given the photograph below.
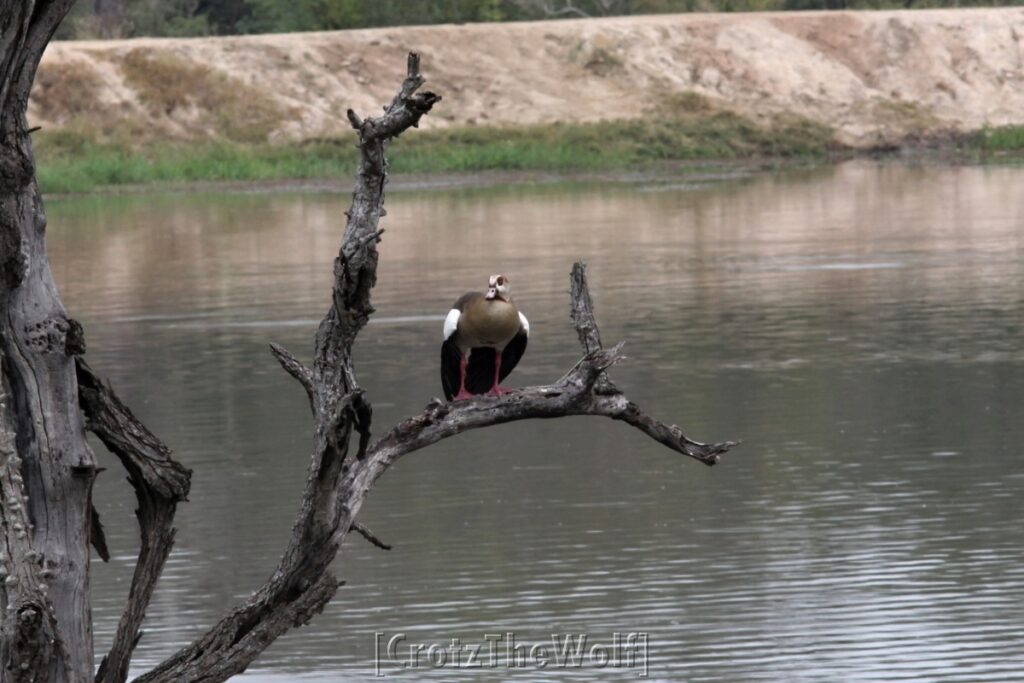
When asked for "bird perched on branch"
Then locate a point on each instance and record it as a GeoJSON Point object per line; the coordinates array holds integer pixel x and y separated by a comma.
{"type": "Point", "coordinates": [484, 338]}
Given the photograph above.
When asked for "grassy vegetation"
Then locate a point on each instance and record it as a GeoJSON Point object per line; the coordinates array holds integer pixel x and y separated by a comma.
{"type": "Point", "coordinates": [1006, 139]}
{"type": "Point", "coordinates": [69, 162]}
{"type": "Point", "coordinates": [684, 128]}
{"type": "Point", "coordinates": [80, 162]}
{"type": "Point", "coordinates": [69, 89]}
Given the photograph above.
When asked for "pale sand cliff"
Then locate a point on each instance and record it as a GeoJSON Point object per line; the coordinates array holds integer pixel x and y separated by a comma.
{"type": "Point", "coordinates": [874, 76]}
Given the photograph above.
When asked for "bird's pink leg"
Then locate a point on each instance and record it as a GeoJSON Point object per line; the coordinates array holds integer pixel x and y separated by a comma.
{"type": "Point", "coordinates": [496, 390]}
{"type": "Point", "coordinates": [463, 394]}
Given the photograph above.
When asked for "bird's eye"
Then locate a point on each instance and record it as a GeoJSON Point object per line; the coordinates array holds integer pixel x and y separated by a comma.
{"type": "Point", "coordinates": [501, 281]}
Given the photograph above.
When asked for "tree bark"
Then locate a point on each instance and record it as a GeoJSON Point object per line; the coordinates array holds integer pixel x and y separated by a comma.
{"type": "Point", "coordinates": [47, 625]}
{"type": "Point", "coordinates": [160, 484]}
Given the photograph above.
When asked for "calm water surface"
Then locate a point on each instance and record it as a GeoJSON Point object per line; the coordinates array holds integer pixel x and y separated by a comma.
{"type": "Point", "coordinates": [859, 327]}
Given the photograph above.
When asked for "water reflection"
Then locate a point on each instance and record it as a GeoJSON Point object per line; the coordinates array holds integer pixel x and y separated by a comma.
{"type": "Point", "coordinates": [857, 326]}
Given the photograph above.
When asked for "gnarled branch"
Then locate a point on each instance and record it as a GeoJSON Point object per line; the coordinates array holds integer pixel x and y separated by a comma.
{"type": "Point", "coordinates": [160, 483]}
{"type": "Point", "coordinates": [580, 392]}
{"type": "Point", "coordinates": [301, 585]}
{"type": "Point", "coordinates": [337, 483]}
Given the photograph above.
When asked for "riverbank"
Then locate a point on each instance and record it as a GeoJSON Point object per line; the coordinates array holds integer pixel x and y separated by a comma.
{"type": "Point", "coordinates": [683, 128]}
{"type": "Point", "coordinates": [874, 77]}
{"type": "Point", "coordinates": [78, 163]}
{"type": "Point", "coordinates": [561, 96]}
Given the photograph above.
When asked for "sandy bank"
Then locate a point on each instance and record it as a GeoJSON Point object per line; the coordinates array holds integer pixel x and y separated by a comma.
{"type": "Point", "coordinates": [874, 76]}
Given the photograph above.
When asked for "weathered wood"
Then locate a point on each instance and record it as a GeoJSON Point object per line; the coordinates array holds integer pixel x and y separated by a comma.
{"type": "Point", "coordinates": [37, 341]}
{"type": "Point", "coordinates": [160, 483]}
{"type": "Point", "coordinates": [581, 310]}
{"type": "Point", "coordinates": [301, 585]}
{"type": "Point", "coordinates": [369, 536]}
{"type": "Point", "coordinates": [29, 635]}
{"type": "Point", "coordinates": [574, 394]}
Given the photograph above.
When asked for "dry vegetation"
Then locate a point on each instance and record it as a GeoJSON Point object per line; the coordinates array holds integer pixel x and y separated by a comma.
{"type": "Point", "coordinates": [159, 97]}
{"type": "Point", "coordinates": [69, 91]}
{"type": "Point", "coordinates": [221, 105]}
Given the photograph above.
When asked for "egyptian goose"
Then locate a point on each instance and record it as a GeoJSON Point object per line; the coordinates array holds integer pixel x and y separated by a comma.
{"type": "Point", "coordinates": [484, 338]}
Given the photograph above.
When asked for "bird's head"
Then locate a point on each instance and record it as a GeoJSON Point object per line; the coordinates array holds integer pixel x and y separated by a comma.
{"type": "Point", "coordinates": [497, 288]}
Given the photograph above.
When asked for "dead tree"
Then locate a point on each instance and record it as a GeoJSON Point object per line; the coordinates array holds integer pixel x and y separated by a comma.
{"type": "Point", "coordinates": [46, 466]}
{"type": "Point", "coordinates": [49, 396]}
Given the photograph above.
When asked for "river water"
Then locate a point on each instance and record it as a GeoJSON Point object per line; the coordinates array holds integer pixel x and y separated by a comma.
{"type": "Point", "coordinates": [858, 326]}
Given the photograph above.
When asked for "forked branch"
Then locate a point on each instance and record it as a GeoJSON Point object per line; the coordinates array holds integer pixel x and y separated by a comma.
{"type": "Point", "coordinates": [584, 390]}
{"type": "Point", "coordinates": [301, 585]}
{"type": "Point", "coordinates": [338, 479]}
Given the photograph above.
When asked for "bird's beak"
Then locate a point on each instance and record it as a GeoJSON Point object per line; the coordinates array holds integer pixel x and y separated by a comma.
{"type": "Point", "coordinates": [492, 293]}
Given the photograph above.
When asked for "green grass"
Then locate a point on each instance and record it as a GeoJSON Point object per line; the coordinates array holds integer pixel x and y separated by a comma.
{"type": "Point", "coordinates": [607, 145]}
{"type": "Point", "coordinates": [90, 165]}
{"type": "Point", "coordinates": [1002, 139]}
{"type": "Point", "coordinates": [685, 129]}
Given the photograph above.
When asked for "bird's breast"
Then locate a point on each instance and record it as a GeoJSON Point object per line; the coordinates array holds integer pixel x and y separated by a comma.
{"type": "Point", "coordinates": [489, 323]}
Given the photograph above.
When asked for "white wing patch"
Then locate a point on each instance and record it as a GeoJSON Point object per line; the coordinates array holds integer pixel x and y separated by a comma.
{"type": "Point", "coordinates": [522, 320]}
{"type": "Point", "coordinates": [451, 323]}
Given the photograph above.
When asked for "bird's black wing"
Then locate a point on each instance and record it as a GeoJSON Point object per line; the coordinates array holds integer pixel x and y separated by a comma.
{"type": "Point", "coordinates": [451, 359]}
{"type": "Point", "coordinates": [514, 350]}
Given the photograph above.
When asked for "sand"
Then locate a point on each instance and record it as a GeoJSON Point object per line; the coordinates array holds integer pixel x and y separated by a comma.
{"type": "Point", "coordinates": [876, 77]}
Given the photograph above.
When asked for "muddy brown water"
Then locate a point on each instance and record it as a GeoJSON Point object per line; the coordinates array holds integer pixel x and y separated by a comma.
{"type": "Point", "coordinates": [859, 327]}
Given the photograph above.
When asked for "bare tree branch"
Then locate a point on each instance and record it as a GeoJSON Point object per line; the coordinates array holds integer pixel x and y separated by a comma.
{"type": "Point", "coordinates": [294, 367]}
{"type": "Point", "coordinates": [582, 313]}
{"type": "Point", "coordinates": [301, 585]}
{"type": "Point", "coordinates": [582, 309]}
{"type": "Point", "coordinates": [160, 483]}
{"type": "Point", "coordinates": [338, 483]}
{"type": "Point", "coordinates": [369, 536]}
{"type": "Point", "coordinates": [578, 393]}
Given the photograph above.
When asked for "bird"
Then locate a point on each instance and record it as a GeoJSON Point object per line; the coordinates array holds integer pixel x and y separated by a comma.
{"type": "Point", "coordinates": [485, 335]}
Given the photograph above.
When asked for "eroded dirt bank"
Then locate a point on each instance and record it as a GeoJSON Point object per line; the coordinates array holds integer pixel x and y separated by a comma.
{"type": "Point", "coordinates": [876, 77]}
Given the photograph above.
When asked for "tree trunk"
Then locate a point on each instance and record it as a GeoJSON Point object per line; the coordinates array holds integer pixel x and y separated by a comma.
{"type": "Point", "coordinates": [44, 457]}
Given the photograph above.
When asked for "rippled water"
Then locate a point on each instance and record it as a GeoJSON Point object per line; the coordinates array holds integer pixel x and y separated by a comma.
{"type": "Point", "coordinates": [858, 326]}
